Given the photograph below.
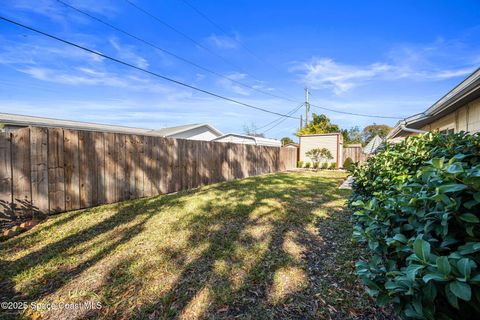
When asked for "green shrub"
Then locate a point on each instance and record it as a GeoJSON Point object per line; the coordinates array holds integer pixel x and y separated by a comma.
{"type": "Point", "coordinates": [348, 164]}
{"type": "Point", "coordinates": [332, 166]}
{"type": "Point", "coordinates": [307, 165]}
{"type": "Point", "coordinates": [417, 208]}
{"type": "Point", "coordinates": [325, 165]}
{"type": "Point", "coordinates": [300, 164]}
{"type": "Point", "coordinates": [317, 154]}
{"type": "Point", "coordinates": [315, 165]}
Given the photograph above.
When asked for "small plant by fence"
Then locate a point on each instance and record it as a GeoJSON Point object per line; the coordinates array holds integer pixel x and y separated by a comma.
{"type": "Point", "coordinates": [50, 170]}
{"type": "Point", "coordinates": [355, 153]}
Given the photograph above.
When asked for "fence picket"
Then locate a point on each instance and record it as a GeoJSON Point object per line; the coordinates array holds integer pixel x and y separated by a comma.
{"type": "Point", "coordinates": [39, 167]}
{"type": "Point", "coordinates": [55, 170]}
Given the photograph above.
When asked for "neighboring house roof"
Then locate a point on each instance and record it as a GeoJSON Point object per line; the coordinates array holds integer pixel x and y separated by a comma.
{"type": "Point", "coordinates": [255, 140]}
{"type": "Point", "coordinates": [170, 131]}
{"type": "Point", "coordinates": [372, 146]}
{"type": "Point", "coordinates": [465, 92]}
{"type": "Point", "coordinates": [25, 121]}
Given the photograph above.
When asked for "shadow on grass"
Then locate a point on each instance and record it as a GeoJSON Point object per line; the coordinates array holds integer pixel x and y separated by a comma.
{"type": "Point", "coordinates": [251, 250]}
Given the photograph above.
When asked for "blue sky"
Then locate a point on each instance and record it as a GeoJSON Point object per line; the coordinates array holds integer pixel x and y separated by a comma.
{"type": "Point", "coordinates": [389, 58]}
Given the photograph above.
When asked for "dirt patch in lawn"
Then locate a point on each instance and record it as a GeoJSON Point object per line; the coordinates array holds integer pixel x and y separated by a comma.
{"type": "Point", "coordinates": [270, 247]}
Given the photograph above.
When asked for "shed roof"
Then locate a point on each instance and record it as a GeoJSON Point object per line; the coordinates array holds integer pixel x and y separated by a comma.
{"type": "Point", "coordinates": [320, 134]}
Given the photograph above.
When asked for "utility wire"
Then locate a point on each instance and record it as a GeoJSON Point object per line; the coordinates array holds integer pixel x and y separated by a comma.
{"type": "Point", "coordinates": [228, 62]}
{"type": "Point", "coordinates": [144, 70]}
{"type": "Point", "coordinates": [356, 114]}
{"type": "Point", "coordinates": [282, 119]}
{"type": "Point", "coordinates": [204, 16]}
{"type": "Point", "coordinates": [186, 36]}
{"type": "Point", "coordinates": [171, 53]}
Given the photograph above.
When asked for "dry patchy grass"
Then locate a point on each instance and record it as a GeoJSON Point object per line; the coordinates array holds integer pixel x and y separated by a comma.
{"type": "Point", "coordinates": [269, 247]}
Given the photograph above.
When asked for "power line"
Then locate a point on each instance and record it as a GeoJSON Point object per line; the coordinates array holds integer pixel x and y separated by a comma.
{"type": "Point", "coordinates": [203, 15]}
{"type": "Point", "coordinates": [282, 120]}
{"type": "Point", "coordinates": [228, 62]}
{"type": "Point", "coordinates": [278, 119]}
{"type": "Point", "coordinates": [144, 70]}
{"type": "Point", "coordinates": [356, 114]}
{"type": "Point", "coordinates": [186, 36]}
{"type": "Point", "coordinates": [171, 53]}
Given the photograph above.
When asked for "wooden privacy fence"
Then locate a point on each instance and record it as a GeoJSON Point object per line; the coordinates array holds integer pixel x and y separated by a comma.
{"type": "Point", "coordinates": [354, 152]}
{"type": "Point", "coordinates": [51, 170]}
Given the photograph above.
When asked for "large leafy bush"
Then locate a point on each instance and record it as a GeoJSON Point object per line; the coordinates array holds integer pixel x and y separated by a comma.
{"type": "Point", "coordinates": [417, 208]}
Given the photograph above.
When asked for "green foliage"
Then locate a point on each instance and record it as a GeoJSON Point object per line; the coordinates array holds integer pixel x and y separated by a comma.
{"type": "Point", "coordinates": [307, 164]}
{"type": "Point", "coordinates": [286, 140]}
{"type": "Point", "coordinates": [300, 164]}
{"type": "Point", "coordinates": [319, 154]}
{"type": "Point", "coordinates": [355, 135]}
{"type": "Point", "coordinates": [375, 129]}
{"type": "Point", "coordinates": [319, 124]}
{"type": "Point", "coordinates": [417, 207]}
{"type": "Point", "coordinates": [332, 166]}
{"type": "Point", "coordinates": [325, 165]}
{"type": "Point", "coordinates": [315, 165]}
{"type": "Point", "coordinates": [348, 164]}
{"type": "Point", "coordinates": [352, 135]}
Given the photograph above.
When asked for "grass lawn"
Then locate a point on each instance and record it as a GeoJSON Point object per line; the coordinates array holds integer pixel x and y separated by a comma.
{"type": "Point", "coordinates": [270, 247]}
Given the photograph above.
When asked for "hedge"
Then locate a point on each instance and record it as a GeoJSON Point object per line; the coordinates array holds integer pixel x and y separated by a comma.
{"type": "Point", "coordinates": [416, 206]}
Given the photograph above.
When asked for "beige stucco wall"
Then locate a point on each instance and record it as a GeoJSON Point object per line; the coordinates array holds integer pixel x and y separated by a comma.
{"type": "Point", "coordinates": [330, 142]}
{"type": "Point", "coordinates": [467, 118]}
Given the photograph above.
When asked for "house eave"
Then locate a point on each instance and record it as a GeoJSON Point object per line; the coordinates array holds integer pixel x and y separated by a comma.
{"type": "Point", "coordinates": [465, 92]}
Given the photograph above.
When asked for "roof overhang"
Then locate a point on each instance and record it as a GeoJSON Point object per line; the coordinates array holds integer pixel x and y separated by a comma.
{"type": "Point", "coordinates": [27, 121]}
{"type": "Point", "coordinates": [237, 135]}
{"type": "Point", "coordinates": [180, 130]}
{"type": "Point", "coordinates": [465, 92]}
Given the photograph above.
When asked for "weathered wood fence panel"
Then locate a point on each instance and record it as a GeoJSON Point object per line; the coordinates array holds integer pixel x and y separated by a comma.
{"type": "Point", "coordinates": [51, 170]}
{"type": "Point", "coordinates": [355, 153]}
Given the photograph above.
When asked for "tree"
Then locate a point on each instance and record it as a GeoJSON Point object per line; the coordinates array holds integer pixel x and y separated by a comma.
{"type": "Point", "coordinates": [319, 124]}
{"type": "Point", "coordinates": [252, 131]}
{"type": "Point", "coordinates": [369, 132]}
{"type": "Point", "coordinates": [318, 155]}
{"type": "Point", "coordinates": [352, 135]}
{"type": "Point", "coordinates": [286, 140]}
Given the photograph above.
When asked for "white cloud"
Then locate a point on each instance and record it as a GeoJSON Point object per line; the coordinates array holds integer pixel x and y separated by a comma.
{"type": "Point", "coordinates": [85, 76]}
{"type": "Point", "coordinates": [223, 42]}
{"type": "Point", "coordinates": [127, 52]}
{"type": "Point", "coordinates": [324, 72]}
{"type": "Point", "coordinates": [40, 61]}
{"type": "Point", "coordinates": [327, 73]}
{"type": "Point", "coordinates": [231, 86]}
{"type": "Point", "coordinates": [436, 61]}
{"type": "Point", "coordinates": [56, 11]}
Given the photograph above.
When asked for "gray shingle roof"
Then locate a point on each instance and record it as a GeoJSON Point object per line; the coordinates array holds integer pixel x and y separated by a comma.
{"type": "Point", "coordinates": [373, 145]}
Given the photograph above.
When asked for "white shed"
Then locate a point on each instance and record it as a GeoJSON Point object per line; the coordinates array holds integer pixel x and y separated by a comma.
{"type": "Point", "coordinates": [331, 141]}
